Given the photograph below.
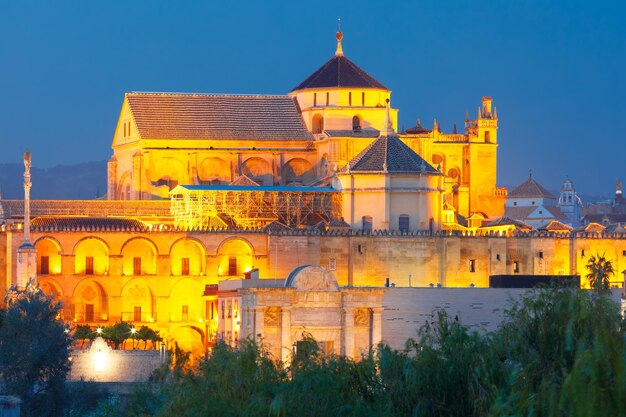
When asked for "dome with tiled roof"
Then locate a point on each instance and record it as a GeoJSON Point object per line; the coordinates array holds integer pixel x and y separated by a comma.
{"type": "Point", "coordinates": [340, 72]}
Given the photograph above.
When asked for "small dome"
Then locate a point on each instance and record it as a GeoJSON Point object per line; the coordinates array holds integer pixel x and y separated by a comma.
{"type": "Point", "coordinates": [417, 129]}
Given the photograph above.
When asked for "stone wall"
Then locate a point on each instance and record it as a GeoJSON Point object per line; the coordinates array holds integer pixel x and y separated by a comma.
{"type": "Point", "coordinates": [114, 365]}
{"type": "Point", "coordinates": [405, 310]}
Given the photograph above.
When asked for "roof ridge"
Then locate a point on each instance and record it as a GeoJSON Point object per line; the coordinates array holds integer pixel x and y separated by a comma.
{"type": "Point", "coordinates": [167, 93]}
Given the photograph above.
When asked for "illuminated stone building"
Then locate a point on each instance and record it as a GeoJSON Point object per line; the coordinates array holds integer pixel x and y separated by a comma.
{"type": "Point", "coordinates": [167, 139]}
{"type": "Point", "coordinates": [204, 189]}
{"type": "Point", "coordinates": [533, 204]}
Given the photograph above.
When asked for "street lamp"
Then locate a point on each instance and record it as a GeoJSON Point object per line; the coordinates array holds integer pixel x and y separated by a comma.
{"type": "Point", "coordinates": [132, 332]}
{"type": "Point", "coordinates": [99, 331]}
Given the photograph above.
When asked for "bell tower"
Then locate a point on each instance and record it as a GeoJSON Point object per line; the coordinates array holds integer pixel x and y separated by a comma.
{"type": "Point", "coordinates": [487, 122]}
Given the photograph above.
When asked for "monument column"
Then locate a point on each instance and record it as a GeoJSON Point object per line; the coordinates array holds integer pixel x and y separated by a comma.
{"type": "Point", "coordinates": [26, 253]}
{"type": "Point", "coordinates": [348, 332]}
{"type": "Point", "coordinates": [285, 337]}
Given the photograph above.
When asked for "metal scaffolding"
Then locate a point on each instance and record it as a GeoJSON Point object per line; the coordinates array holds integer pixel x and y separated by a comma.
{"type": "Point", "coordinates": [210, 206]}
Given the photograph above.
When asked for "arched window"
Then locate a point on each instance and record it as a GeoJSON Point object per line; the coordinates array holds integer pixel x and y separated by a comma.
{"type": "Point", "coordinates": [318, 123]}
{"type": "Point", "coordinates": [367, 223]}
{"type": "Point", "coordinates": [403, 223]}
{"type": "Point", "coordinates": [356, 123]}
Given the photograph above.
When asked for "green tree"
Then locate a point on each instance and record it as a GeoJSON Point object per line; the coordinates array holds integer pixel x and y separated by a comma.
{"type": "Point", "coordinates": [147, 334]}
{"type": "Point", "coordinates": [564, 353]}
{"type": "Point", "coordinates": [600, 271]}
{"type": "Point", "coordinates": [449, 371]}
{"type": "Point", "coordinates": [117, 333]}
{"type": "Point", "coordinates": [83, 332]}
{"type": "Point", "coordinates": [229, 382]}
{"type": "Point", "coordinates": [34, 351]}
{"type": "Point", "coordinates": [329, 385]}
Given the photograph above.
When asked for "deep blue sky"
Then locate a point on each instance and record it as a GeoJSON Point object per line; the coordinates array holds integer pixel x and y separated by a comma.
{"type": "Point", "coordinates": [556, 70]}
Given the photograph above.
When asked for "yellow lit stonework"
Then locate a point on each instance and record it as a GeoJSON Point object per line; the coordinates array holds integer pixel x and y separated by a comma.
{"type": "Point", "coordinates": [155, 252]}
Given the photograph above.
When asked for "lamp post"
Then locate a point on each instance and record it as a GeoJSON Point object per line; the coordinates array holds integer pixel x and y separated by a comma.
{"type": "Point", "coordinates": [133, 331]}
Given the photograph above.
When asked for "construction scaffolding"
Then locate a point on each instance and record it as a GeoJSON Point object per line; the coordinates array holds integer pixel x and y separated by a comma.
{"type": "Point", "coordinates": [214, 206]}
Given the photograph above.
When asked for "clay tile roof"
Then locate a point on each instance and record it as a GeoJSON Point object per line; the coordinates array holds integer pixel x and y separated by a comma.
{"type": "Point", "coordinates": [529, 189]}
{"type": "Point", "coordinates": [594, 227]}
{"type": "Point", "coordinates": [390, 154]}
{"type": "Point", "coordinates": [213, 116]}
{"type": "Point", "coordinates": [556, 226]}
{"type": "Point", "coordinates": [80, 222]}
{"type": "Point", "coordinates": [507, 221]}
{"type": "Point", "coordinates": [339, 71]}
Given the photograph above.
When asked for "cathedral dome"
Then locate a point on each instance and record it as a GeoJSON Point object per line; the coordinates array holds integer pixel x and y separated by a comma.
{"type": "Point", "coordinates": [339, 72]}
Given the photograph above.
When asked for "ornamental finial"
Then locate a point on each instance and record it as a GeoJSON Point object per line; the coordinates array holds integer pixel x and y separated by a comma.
{"type": "Point", "coordinates": [339, 51]}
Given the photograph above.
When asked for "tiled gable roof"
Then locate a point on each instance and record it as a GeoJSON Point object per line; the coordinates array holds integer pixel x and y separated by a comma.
{"type": "Point", "coordinates": [213, 116]}
{"type": "Point", "coordinates": [339, 71]}
{"type": "Point", "coordinates": [507, 221]}
{"type": "Point", "coordinates": [529, 189]}
{"type": "Point", "coordinates": [556, 226]}
{"type": "Point", "coordinates": [519, 212]}
{"type": "Point", "coordinates": [390, 154]}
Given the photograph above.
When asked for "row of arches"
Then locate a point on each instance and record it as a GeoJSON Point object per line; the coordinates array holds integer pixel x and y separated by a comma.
{"type": "Point", "coordinates": [139, 304]}
{"type": "Point", "coordinates": [138, 256]}
{"type": "Point", "coordinates": [214, 170]}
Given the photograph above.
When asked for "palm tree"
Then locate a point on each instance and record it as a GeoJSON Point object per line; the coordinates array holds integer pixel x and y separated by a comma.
{"type": "Point", "coordinates": [600, 269]}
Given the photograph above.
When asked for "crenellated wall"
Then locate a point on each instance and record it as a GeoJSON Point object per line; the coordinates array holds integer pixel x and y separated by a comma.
{"type": "Point", "coordinates": [157, 277]}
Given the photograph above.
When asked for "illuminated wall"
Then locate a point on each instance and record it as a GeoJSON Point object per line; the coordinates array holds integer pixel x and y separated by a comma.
{"type": "Point", "coordinates": [169, 301]}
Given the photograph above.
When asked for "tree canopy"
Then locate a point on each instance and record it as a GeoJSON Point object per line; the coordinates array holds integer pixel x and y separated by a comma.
{"type": "Point", "coordinates": [34, 351]}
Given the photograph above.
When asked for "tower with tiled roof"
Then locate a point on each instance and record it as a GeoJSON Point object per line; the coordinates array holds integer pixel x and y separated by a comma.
{"type": "Point", "coordinates": [343, 106]}
{"type": "Point", "coordinates": [388, 186]}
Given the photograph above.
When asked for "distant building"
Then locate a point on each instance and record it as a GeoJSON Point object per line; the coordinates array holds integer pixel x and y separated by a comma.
{"type": "Point", "coordinates": [570, 203]}
{"type": "Point", "coordinates": [531, 203]}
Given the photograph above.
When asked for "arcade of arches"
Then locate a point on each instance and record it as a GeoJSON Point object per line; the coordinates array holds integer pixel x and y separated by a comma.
{"type": "Point", "coordinates": [153, 280]}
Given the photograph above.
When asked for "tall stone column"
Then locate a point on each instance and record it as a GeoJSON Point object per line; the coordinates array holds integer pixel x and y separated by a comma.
{"type": "Point", "coordinates": [348, 332]}
{"type": "Point", "coordinates": [26, 253]}
{"type": "Point", "coordinates": [259, 322]}
{"type": "Point", "coordinates": [377, 321]}
{"type": "Point", "coordinates": [285, 336]}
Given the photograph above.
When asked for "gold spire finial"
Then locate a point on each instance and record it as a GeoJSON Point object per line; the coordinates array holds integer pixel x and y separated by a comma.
{"type": "Point", "coordinates": [339, 51]}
